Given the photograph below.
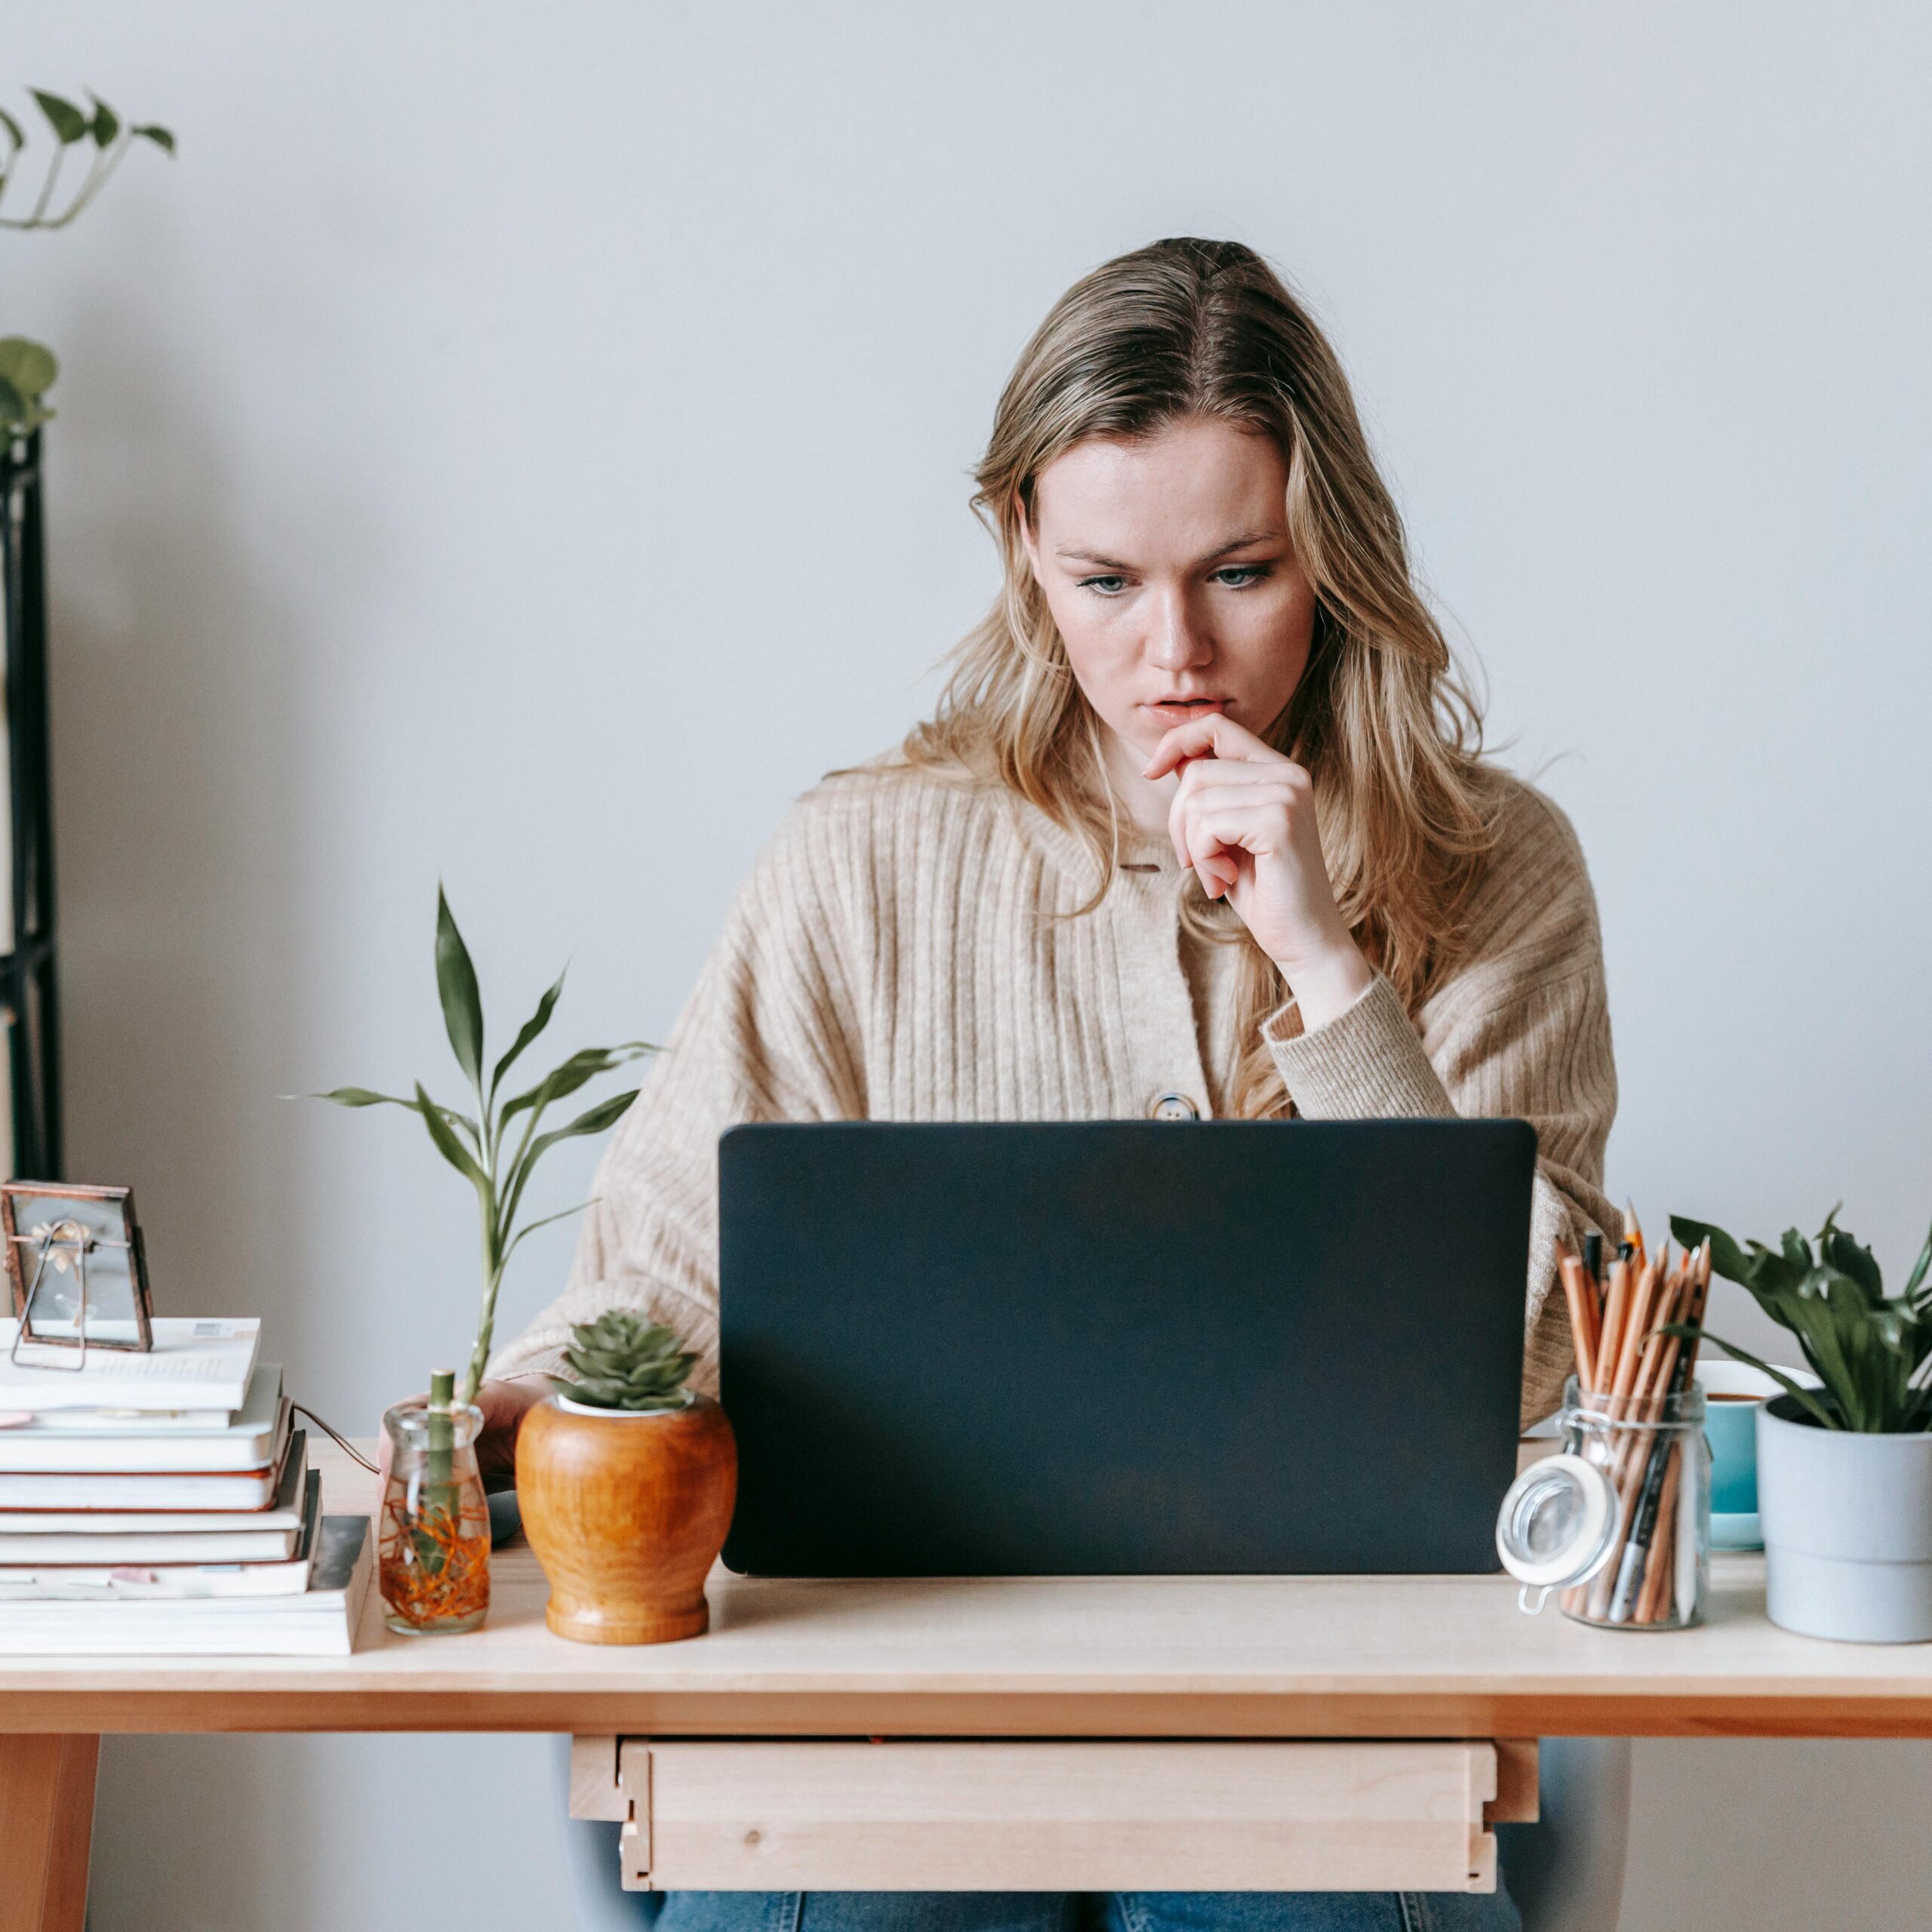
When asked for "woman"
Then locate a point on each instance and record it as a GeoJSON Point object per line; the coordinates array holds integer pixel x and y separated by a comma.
{"type": "Point", "coordinates": [1199, 826]}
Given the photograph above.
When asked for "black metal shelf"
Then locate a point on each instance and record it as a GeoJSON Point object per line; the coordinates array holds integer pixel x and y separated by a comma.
{"type": "Point", "coordinates": [29, 1002]}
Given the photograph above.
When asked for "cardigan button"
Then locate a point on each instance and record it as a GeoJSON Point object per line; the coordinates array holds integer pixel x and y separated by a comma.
{"type": "Point", "coordinates": [1172, 1106]}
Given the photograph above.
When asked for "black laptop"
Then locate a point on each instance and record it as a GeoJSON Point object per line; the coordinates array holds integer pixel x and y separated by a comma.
{"type": "Point", "coordinates": [1122, 1347]}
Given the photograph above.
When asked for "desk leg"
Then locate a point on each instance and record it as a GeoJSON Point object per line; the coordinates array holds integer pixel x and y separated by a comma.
{"type": "Point", "coordinates": [46, 1830]}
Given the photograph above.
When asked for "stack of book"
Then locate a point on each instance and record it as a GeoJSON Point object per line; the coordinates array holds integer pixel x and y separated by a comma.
{"type": "Point", "coordinates": [161, 1504]}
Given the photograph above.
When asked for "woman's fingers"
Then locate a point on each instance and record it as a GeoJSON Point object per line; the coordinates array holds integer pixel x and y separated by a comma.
{"type": "Point", "coordinates": [1191, 849]}
{"type": "Point", "coordinates": [1208, 827]}
{"type": "Point", "coordinates": [1211, 737]}
{"type": "Point", "coordinates": [1220, 762]}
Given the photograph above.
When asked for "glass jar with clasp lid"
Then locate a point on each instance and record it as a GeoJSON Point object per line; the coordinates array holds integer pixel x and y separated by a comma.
{"type": "Point", "coordinates": [1618, 1523]}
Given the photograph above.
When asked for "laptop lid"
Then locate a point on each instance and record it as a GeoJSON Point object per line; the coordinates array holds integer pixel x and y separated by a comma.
{"type": "Point", "coordinates": [1122, 1347]}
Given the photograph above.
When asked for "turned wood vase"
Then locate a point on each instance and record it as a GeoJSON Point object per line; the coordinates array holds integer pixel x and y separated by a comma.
{"type": "Point", "coordinates": [626, 1514]}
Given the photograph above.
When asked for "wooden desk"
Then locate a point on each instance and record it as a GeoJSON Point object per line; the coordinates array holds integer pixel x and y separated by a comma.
{"type": "Point", "coordinates": [1182, 1659]}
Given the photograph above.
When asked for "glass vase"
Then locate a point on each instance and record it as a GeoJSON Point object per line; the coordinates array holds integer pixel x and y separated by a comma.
{"type": "Point", "coordinates": [433, 1535]}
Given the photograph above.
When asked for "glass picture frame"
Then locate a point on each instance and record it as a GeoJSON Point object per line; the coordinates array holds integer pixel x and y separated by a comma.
{"type": "Point", "coordinates": [77, 1268]}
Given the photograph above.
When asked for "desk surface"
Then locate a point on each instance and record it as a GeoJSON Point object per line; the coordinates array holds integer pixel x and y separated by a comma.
{"type": "Point", "coordinates": [1173, 1657]}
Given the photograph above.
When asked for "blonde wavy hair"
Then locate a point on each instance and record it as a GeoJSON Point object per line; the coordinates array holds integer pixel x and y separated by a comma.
{"type": "Point", "coordinates": [1389, 735]}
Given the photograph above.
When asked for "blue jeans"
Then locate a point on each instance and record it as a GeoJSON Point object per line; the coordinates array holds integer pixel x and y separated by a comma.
{"type": "Point", "coordinates": [1098, 1911]}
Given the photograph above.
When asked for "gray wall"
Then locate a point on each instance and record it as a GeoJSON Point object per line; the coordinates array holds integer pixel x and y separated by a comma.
{"type": "Point", "coordinates": [528, 444]}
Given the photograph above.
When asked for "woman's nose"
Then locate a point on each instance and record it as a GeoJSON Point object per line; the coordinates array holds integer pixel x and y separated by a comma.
{"type": "Point", "coordinates": [1178, 640]}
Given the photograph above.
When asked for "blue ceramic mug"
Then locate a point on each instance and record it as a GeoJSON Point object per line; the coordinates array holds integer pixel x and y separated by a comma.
{"type": "Point", "coordinates": [1733, 1393]}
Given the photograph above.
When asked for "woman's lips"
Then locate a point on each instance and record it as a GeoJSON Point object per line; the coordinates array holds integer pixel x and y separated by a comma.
{"type": "Point", "coordinates": [1174, 711]}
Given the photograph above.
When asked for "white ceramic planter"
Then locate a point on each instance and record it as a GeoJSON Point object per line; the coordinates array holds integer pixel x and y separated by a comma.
{"type": "Point", "coordinates": [1847, 1523]}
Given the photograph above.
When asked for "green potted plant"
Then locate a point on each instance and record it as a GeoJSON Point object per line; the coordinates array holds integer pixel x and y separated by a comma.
{"type": "Point", "coordinates": [28, 961]}
{"type": "Point", "coordinates": [433, 1537]}
{"type": "Point", "coordinates": [626, 1479]}
{"type": "Point", "coordinates": [1845, 1470]}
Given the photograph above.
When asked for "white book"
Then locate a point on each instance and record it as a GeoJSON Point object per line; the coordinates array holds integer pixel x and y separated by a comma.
{"type": "Point", "coordinates": [82, 1439]}
{"type": "Point", "coordinates": [321, 1621]}
{"type": "Point", "coordinates": [193, 1365]}
{"type": "Point", "coordinates": [159, 1536]}
{"type": "Point", "coordinates": [85, 1582]}
{"type": "Point", "coordinates": [124, 1421]}
{"type": "Point", "coordinates": [171, 1490]}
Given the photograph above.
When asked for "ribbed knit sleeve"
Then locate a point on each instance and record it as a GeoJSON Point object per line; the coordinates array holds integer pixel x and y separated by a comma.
{"type": "Point", "coordinates": [767, 1034]}
{"type": "Point", "coordinates": [1522, 1029]}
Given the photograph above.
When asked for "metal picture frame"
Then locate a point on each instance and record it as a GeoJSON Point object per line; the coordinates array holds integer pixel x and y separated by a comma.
{"type": "Point", "coordinates": [77, 1267]}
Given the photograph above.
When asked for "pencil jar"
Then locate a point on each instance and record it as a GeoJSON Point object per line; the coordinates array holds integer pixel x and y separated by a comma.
{"type": "Point", "coordinates": [1652, 1452]}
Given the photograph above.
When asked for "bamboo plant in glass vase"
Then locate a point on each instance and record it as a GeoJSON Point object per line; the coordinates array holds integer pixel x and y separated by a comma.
{"type": "Point", "coordinates": [433, 1535]}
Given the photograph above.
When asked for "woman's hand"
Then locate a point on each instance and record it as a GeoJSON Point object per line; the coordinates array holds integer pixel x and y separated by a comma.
{"type": "Point", "coordinates": [1243, 818]}
{"type": "Point", "coordinates": [504, 1405]}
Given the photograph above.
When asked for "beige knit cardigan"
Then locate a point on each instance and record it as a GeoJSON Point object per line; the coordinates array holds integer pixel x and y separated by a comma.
{"type": "Point", "coordinates": [886, 961]}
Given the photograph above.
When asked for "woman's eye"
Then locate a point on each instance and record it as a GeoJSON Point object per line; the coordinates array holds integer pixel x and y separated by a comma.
{"type": "Point", "coordinates": [1239, 576]}
{"type": "Point", "coordinates": [1107, 587]}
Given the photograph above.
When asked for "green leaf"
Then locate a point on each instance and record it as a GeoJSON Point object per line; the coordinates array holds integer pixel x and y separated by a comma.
{"type": "Point", "coordinates": [1845, 1253]}
{"type": "Point", "coordinates": [1772, 1272]}
{"type": "Point", "coordinates": [605, 1114]}
{"type": "Point", "coordinates": [105, 124]}
{"type": "Point", "coordinates": [69, 123]}
{"type": "Point", "coordinates": [533, 1026]}
{"type": "Point", "coordinates": [362, 1096]}
{"type": "Point", "coordinates": [1689, 1330]}
{"type": "Point", "coordinates": [11, 127]}
{"type": "Point", "coordinates": [561, 1214]}
{"type": "Point", "coordinates": [450, 1147]}
{"type": "Point", "coordinates": [583, 1067]}
{"type": "Point", "coordinates": [593, 1120]}
{"type": "Point", "coordinates": [1920, 1268]}
{"type": "Point", "coordinates": [160, 137]}
{"type": "Point", "coordinates": [29, 366]}
{"type": "Point", "coordinates": [462, 1003]}
{"type": "Point", "coordinates": [1728, 1259]}
{"type": "Point", "coordinates": [14, 413]}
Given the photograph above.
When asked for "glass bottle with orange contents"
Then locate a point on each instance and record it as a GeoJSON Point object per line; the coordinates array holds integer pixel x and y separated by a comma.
{"type": "Point", "coordinates": [433, 1535]}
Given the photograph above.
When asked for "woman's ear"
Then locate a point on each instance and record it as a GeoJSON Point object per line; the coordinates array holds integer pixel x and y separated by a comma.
{"type": "Point", "coordinates": [1028, 542]}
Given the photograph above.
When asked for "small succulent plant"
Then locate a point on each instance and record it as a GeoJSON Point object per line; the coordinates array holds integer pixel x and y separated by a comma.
{"type": "Point", "coordinates": [621, 1361]}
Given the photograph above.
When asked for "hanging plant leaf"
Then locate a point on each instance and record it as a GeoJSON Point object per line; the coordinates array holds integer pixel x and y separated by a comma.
{"type": "Point", "coordinates": [105, 124]}
{"type": "Point", "coordinates": [29, 366]}
{"type": "Point", "coordinates": [160, 137]}
{"type": "Point", "coordinates": [16, 139]}
{"type": "Point", "coordinates": [69, 123]}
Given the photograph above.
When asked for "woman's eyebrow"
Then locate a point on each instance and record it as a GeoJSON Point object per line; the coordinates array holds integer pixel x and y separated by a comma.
{"type": "Point", "coordinates": [1245, 541]}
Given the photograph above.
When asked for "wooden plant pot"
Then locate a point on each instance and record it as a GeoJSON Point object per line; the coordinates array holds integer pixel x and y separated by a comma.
{"type": "Point", "coordinates": [626, 1513]}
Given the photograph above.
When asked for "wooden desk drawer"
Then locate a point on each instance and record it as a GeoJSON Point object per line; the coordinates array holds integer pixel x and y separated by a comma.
{"type": "Point", "coordinates": [919, 1816]}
